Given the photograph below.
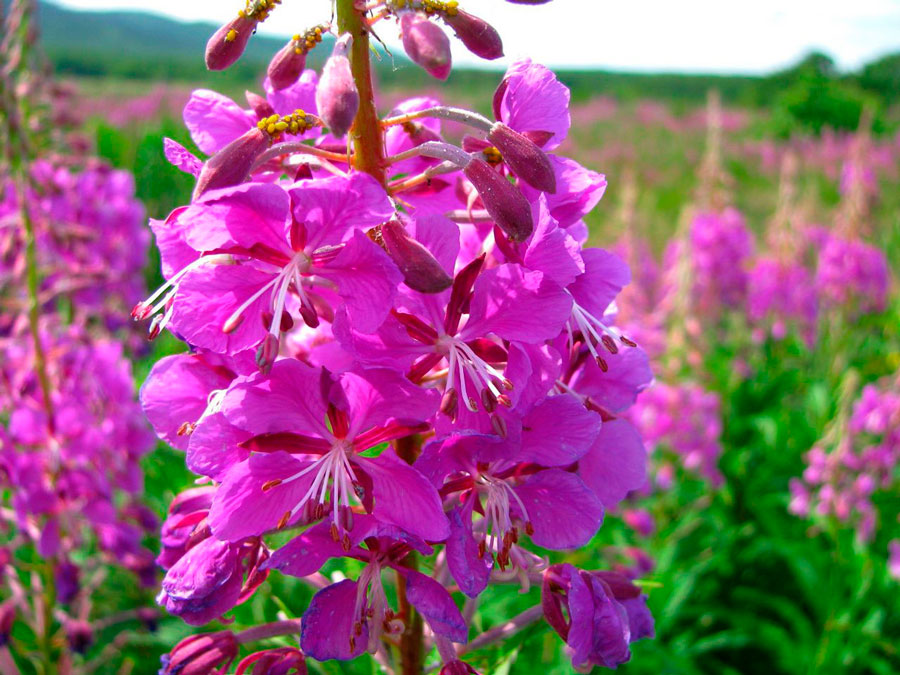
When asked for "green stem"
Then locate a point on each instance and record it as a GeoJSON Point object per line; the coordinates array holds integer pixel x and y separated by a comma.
{"type": "Point", "coordinates": [366, 133]}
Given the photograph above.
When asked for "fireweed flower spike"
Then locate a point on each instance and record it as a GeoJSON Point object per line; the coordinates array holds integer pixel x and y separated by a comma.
{"type": "Point", "coordinates": [403, 361]}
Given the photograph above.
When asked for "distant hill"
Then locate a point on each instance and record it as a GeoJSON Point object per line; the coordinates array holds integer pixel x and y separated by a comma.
{"type": "Point", "coordinates": [145, 46]}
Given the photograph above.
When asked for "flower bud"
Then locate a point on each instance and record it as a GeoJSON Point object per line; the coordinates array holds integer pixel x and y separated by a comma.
{"type": "Point", "coordinates": [476, 34]}
{"type": "Point", "coordinates": [457, 667]}
{"type": "Point", "coordinates": [280, 661]}
{"type": "Point", "coordinates": [67, 576]}
{"type": "Point", "coordinates": [230, 165]}
{"type": "Point", "coordinates": [201, 654]}
{"type": "Point", "coordinates": [7, 618]}
{"type": "Point", "coordinates": [502, 200]}
{"type": "Point", "coordinates": [205, 583]}
{"type": "Point", "coordinates": [186, 511]}
{"type": "Point", "coordinates": [287, 65]}
{"type": "Point", "coordinates": [336, 97]}
{"type": "Point", "coordinates": [426, 44]}
{"type": "Point", "coordinates": [228, 43]}
{"type": "Point", "coordinates": [260, 106]}
{"type": "Point", "coordinates": [421, 271]}
{"type": "Point", "coordinates": [525, 158]}
{"type": "Point", "coordinates": [79, 635]}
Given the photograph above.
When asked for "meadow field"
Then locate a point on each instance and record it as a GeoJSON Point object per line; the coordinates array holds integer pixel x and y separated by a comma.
{"type": "Point", "coordinates": [737, 582]}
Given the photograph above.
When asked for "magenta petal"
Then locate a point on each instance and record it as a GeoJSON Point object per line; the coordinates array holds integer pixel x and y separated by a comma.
{"type": "Point", "coordinates": [215, 120]}
{"type": "Point", "coordinates": [333, 208]}
{"type": "Point", "coordinates": [180, 157]}
{"type": "Point", "coordinates": [564, 511]}
{"type": "Point", "coordinates": [301, 94]}
{"type": "Point", "coordinates": [289, 399]}
{"type": "Point", "coordinates": [174, 252]}
{"type": "Point", "coordinates": [241, 508]}
{"type": "Point", "coordinates": [378, 396]}
{"type": "Point", "coordinates": [434, 603]}
{"type": "Point", "coordinates": [534, 100]}
{"type": "Point", "coordinates": [328, 624]}
{"type": "Point", "coordinates": [214, 447]}
{"type": "Point", "coordinates": [558, 431]}
{"type": "Point", "coordinates": [552, 250]}
{"type": "Point", "coordinates": [578, 190]}
{"type": "Point", "coordinates": [242, 217]}
{"type": "Point", "coordinates": [305, 554]}
{"type": "Point", "coordinates": [628, 374]}
{"type": "Point", "coordinates": [177, 391]}
{"type": "Point", "coordinates": [517, 304]}
{"type": "Point", "coordinates": [605, 274]}
{"type": "Point", "coordinates": [440, 236]}
{"type": "Point", "coordinates": [616, 464]}
{"type": "Point", "coordinates": [204, 583]}
{"type": "Point", "coordinates": [367, 280]}
{"type": "Point", "coordinates": [404, 497]}
{"type": "Point", "coordinates": [206, 298]}
{"type": "Point", "coordinates": [470, 571]}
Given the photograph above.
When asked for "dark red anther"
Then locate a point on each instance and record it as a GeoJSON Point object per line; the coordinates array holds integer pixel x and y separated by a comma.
{"type": "Point", "coordinates": [604, 366]}
{"type": "Point", "coordinates": [309, 315]}
{"type": "Point", "coordinates": [450, 404]}
{"type": "Point", "coordinates": [488, 400]}
{"type": "Point", "coordinates": [499, 425]}
{"type": "Point", "coordinates": [155, 327]}
{"type": "Point", "coordinates": [628, 343]}
{"type": "Point", "coordinates": [610, 344]}
{"type": "Point", "coordinates": [340, 422]}
{"type": "Point", "coordinates": [459, 296]}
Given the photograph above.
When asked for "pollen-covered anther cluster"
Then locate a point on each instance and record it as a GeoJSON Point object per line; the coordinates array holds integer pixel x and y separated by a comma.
{"type": "Point", "coordinates": [304, 42]}
{"type": "Point", "coordinates": [448, 8]}
{"type": "Point", "coordinates": [296, 123]}
{"type": "Point", "coordinates": [258, 9]}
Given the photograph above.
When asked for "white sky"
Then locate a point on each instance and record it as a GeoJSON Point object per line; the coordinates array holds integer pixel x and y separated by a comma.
{"type": "Point", "coordinates": [728, 36]}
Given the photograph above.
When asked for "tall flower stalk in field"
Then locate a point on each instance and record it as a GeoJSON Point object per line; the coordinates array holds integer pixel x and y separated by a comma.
{"type": "Point", "coordinates": [402, 356]}
{"type": "Point", "coordinates": [73, 432]}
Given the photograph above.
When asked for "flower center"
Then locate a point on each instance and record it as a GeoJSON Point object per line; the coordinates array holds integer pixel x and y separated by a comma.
{"type": "Point", "coordinates": [471, 377]}
{"type": "Point", "coordinates": [594, 333]}
{"type": "Point", "coordinates": [500, 534]}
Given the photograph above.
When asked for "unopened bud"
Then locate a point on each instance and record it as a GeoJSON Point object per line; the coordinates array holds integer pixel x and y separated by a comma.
{"type": "Point", "coordinates": [502, 200]}
{"type": "Point", "coordinates": [286, 66]}
{"type": "Point", "coordinates": [421, 271]}
{"type": "Point", "coordinates": [7, 618]}
{"type": "Point", "coordinates": [525, 158]}
{"type": "Point", "coordinates": [260, 106]}
{"type": "Point", "coordinates": [336, 97]}
{"type": "Point", "coordinates": [201, 654]}
{"type": "Point", "coordinates": [230, 165]}
{"type": "Point", "coordinates": [476, 34]}
{"type": "Point", "coordinates": [79, 635]}
{"type": "Point", "coordinates": [426, 44]}
{"type": "Point", "coordinates": [228, 43]}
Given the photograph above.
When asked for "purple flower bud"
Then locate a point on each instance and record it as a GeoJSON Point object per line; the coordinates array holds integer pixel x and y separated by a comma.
{"type": "Point", "coordinates": [287, 65]}
{"type": "Point", "coordinates": [502, 200]}
{"type": "Point", "coordinates": [228, 43]}
{"type": "Point", "coordinates": [230, 165]}
{"type": "Point", "coordinates": [259, 105]}
{"type": "Point", "coordinates": [457, 667]}
{"type": "Point", "coordinates": [336, 97]}
{"type": "Point", "coordinates": [421, 271]}
{"type": "Point", "coordinates": [426, 44]}
{"type": "Point", "coordinates": [79, 635]}
{"type": "Point", "coordinates": [205, 583]}
{"type": "Point", "coordinates": [280, 661]}
{"type": "Point", "coordinates": [201, 654]}
{"type": "Point", "coordinates": [67, 577]}
{"type": "Point", "coordinates": [525, 158]}
{"type": "Point", "coordinates": [7, 618]}
{"type": "Point", "coordinates": [476, 34]}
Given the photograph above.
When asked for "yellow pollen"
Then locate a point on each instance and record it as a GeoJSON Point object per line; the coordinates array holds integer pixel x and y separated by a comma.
{"type": "Point", "coordinates": [231, 36]}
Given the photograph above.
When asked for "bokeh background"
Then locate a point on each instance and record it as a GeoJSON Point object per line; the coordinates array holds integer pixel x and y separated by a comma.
{"type": "Point", "coordinates": [787, 115]}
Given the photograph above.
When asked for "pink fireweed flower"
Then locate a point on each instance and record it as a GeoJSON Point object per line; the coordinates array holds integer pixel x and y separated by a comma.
{"type": "Point", "coordinates": [457, 327]}
{"type": "Point", "coordinates": [308, 430]}
{"type": "Point", "coordinates": [604, 613]}
{"type": "Point", "coordinates": [345, 619]}
{"type": "Point", "coordinates": [271, 251]}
